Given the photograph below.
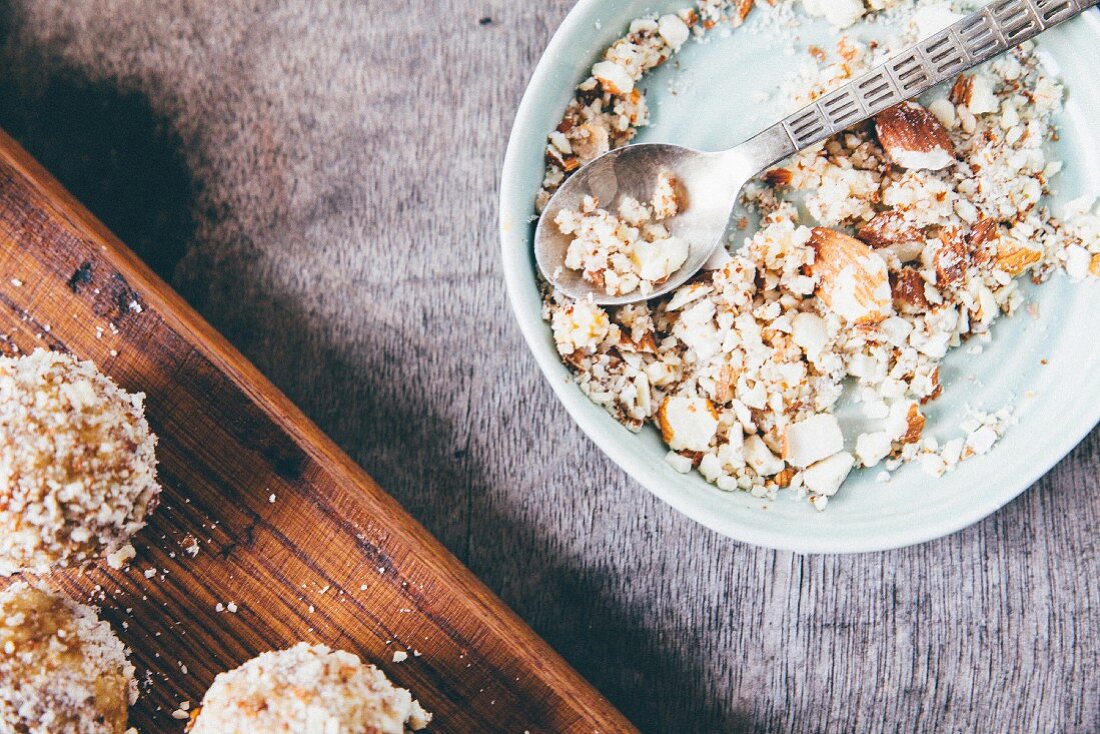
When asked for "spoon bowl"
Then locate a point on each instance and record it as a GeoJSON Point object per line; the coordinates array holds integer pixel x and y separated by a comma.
{"type": "Point", "coordinates": [707, 185]}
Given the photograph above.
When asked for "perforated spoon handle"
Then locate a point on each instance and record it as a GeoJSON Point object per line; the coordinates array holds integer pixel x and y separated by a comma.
{"type": "Point", "coordinates": [999, 26]}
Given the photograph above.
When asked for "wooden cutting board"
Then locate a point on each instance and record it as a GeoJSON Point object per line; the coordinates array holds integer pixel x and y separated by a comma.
{"type": "Point", "coordinates": [289, 530]}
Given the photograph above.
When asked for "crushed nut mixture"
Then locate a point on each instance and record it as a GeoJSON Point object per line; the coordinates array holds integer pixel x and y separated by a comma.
{"type": "Point", "coordinates": [629, 251]}
{"type": "Point", "coordinates": [877, 252]}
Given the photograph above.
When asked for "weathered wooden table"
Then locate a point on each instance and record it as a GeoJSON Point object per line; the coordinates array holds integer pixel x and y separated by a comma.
{"type": "Point", "coordinates": [318, 179]}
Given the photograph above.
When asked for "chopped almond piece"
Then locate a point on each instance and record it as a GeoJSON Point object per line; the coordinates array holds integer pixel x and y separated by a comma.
{"type": "Point", "coordinates": [614, 77]}
{"type": "Point", "coordinates": [909, 296]}
{"type": "Point", "coordinates": [855, 282]}
{"type": "Point", "coordinates": [888, 228]}
{"type": "Point", "coordinates": [778, 177]}
{"type": "Point", "coordinates": [784, 478]}
{"type": "Point", "coordinates": [726, 384]}
{"type": "Point", "coordinates": [646, 345]}
{"type": "Point", "coordinates": [937, 391]}
{"type": "Point", "coordinates": [667, 197]}
{"type": "Point", "coordinates": [590, 142]}
{"type": "Point", "coordinates": [960, 91]}
{"type": "Point", "coordinates": [915, 421]}
{"type": "Point", "coordinates": [811, 440]}
{"type": "Point", "coordinates": [914, 138]}
{"type": "Point", "coordinates": [951, 261]}
{"type": "Point", "coordinates": [688, 424]}
{"type": "Point", "coordinates": [983, 232]}
{"type": "Point", "coordinates": [1014, 258]}
{"type": "Point", "coordinates": [761, 458]}
{"type": "Point", "coordinates": [744, 7]}
{"type": "Point", "coordinates": [826, 476]}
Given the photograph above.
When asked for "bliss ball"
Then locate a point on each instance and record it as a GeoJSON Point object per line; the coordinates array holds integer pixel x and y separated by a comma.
{"type": "Point", "coordinates": [77, 466]}
{"type": "Point", "coordinates": [61, 668]}
{"type": "Point", "coordinates": [307, 688]}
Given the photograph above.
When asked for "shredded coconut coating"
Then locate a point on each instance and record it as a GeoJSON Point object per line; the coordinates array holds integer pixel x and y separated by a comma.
{"type": "Point", "coordinates": [61, 668]}
{"type": "Point", "coordinates": [307, 688]}
{"type": "Point", "coordinates": [77, 464]}
{"type": "Point", "coordinates": [869, 264]}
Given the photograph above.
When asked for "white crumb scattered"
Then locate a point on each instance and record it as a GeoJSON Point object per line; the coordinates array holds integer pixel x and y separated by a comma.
{"type": "Point", "coordinates": [121, 557]}
{"type": "Point", "coordinates": [840, 13]}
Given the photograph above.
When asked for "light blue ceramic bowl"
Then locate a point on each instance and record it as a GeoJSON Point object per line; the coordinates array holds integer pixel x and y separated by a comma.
{"type": "Point", "coordinates": [703, 101]}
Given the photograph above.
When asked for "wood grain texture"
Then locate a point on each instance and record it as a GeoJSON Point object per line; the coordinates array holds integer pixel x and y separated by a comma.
{"type": "Point", "coordinates": [291, 532]}
{"type": "Point", "coordinates": [326, 175]}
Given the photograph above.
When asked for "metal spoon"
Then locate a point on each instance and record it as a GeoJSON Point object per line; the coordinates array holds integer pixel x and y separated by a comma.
{"type": "Point", "coordinates": [711, 182]}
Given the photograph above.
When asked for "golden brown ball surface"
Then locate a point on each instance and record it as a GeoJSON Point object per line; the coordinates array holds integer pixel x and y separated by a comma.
{"type": "Point", "coordinates": [77, 464]}
{"type": "Point", "coordinates": [307, 688]}
{"type": "Point", "coordinates": [61, 668]}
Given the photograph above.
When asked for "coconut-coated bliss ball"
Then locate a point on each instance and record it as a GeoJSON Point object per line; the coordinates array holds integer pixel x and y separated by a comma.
{"type": "Point", "coordinates": [77, 465]}
{"type": "Point", "coordinates": [61, 668]}
{"type": "Point", "coordinates": [307, 688]}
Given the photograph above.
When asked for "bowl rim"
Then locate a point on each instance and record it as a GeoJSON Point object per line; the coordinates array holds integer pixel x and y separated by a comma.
{"type": "Point", "coordinates": [519, 275]}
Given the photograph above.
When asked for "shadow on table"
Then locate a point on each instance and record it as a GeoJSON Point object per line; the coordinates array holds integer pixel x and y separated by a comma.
{"type": "Point", "coordinates": [376, 412]}
{"type": "Point", "coordinates": [105, 144]}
